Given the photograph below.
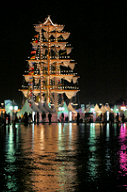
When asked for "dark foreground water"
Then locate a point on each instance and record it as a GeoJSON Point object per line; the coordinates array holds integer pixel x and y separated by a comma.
{"type": "Point", "coordinates": [63, 157]}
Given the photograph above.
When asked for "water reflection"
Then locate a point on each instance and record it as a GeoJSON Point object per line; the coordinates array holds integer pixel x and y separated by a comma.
{"type": "Point", "coordinates": [63, 157]}
{"type": "Point", "coordinates": [52, 166]}
{"type": "Point", "coordinates": [92, 163]}
{"type": "Point", "coordinates": [10, 166]}
{"type": "Point", "coordinates": [107, 153]}
{"type": "Point", "coordinates": [107, 132]}
{"type": "Point", "coordinates": [122, 151]}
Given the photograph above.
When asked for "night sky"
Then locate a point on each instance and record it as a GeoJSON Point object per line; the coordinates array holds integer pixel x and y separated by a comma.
{"type": "Point", "coordinates": [98, 36]}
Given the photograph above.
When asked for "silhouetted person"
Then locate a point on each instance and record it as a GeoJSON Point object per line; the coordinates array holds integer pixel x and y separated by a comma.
{"type": "Point", "coordinates": [78, 118]}
{"type": "Point", "coordinates": [43, 117]}
{"type": "Point", "coordinates": [0, 120]}
{"type": "Point", "coordinates": [62, 117]}
{"type": "Point", "coordinates": [111, 118]}
{"type": "Point", "coordinates": [49, 117]}
{"type": "Point", "coordinates": [105, 117]}
{"type": "Point", "coordinates": [16, 119]}
{"type": "Point", "coordinates": [66, 119]}
{"type": "Point", "coordinates": [37, 117]}
{"type": "Point", "coordinates": [91, 119]}
{"type": "Point", "coordinates": [4, 119]}
{"type": "Point", "coordinates": [30, 117]}
{"type": "Point", "coordinates": [123, 118]}
{"type": "Point", "coordinates": [101, 117]}
{"type": "Point", "coordinates": [81, 120]}
{"type": "Point", "coordinates": [117, 117]}
{"type": "Point", "coordinates": [26, 118]}
{"type": "Point", "coordinates": [8, 118]}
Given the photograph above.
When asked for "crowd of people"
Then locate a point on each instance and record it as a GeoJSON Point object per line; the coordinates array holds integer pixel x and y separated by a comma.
{"type": "Point", "coordinates": [28, 118]}
{"type": "Point", "coordinates": [7, 118]}
{"type": "Point", "coordinates": [103, 118]}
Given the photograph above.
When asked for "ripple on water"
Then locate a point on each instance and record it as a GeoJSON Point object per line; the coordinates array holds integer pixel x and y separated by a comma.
{"type": "Point", "coordinates": [64, 157]}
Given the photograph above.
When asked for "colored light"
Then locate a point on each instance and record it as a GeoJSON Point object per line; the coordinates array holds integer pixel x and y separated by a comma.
{"type": "Point", "coordinates": [107, 115]}
{"type": "Point", "coordinates": [92, 110]}
{"type": "Point", "coordinates": [123, 108]}
{"type": "Point", "coordinates": [15, 107]}
{"type": "Point", "coordinates": [61, 108]}
{"type": "Point", "coordinates": [11, 107]}
{"type": "Point", "coordinates": [70, 116]}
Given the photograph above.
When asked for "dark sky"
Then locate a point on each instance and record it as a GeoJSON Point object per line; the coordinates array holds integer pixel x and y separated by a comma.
{"type": "Point", "coordinates": [98, 36]}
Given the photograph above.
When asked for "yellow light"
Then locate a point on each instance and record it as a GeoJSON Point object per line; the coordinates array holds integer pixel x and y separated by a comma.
{"type": "Point", "coordinates": [123, 108]}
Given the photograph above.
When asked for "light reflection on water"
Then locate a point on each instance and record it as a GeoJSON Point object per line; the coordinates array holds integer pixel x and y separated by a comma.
{"type": "Point", "coordinates": [92, 163]}
{"type": "Point", "coordinates": [63, 157]}
{"type": "Point", "coordinates": [122, 151]}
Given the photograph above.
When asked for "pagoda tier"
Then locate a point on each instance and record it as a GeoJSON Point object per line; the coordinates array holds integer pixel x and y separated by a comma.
{"type": "Point", "coordinates": [46, 77]}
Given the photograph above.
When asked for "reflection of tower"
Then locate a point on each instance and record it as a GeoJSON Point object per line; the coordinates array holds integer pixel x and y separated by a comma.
{"type": "Point", "coordinates": [51, 170]}
{"type": "Point", "coordinates": [50, 73]}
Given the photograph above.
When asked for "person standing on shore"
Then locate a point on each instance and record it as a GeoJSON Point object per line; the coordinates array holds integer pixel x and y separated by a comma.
{"type": "Point", "coordinates": [78, 118]}
{"type": "Point", "coordinates": [43, 117]}
{"type": "Point", "coordinates": [49, 117]}
{"type": "Point", "coordinates": [37, 117]}
{"type": "Point", "coordinates": [62, 117]}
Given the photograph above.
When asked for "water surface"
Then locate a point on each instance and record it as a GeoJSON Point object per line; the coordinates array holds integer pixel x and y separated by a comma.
{"type": "Point", "coordinates": [63, 157]}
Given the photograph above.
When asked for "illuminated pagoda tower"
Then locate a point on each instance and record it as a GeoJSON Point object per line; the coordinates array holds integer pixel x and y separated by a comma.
{"type": "Point", "coordinates": [50, 77]}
